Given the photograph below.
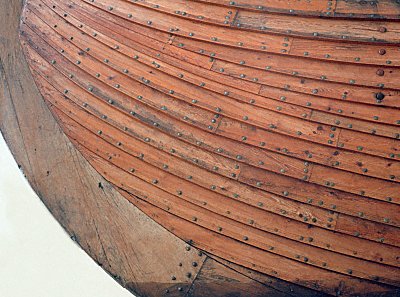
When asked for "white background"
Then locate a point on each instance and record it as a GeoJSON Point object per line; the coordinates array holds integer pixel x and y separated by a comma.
{"type": "Point", "coordinates": [37, 257]}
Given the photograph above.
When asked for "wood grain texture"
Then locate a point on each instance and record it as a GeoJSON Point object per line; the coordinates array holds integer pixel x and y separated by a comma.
{"type": "Point", "coordinates": [142, 256]}
{"type": "Point", "coordinates": [236, 131]}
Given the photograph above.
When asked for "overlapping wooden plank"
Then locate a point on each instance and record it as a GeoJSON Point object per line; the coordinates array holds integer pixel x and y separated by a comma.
{"type": "Point", "coordinates": [313, 7]}
{"type": "Point", "coordinates": [176, 25]}
{"type": "Point", "coordinates": [301, 85]}
{"type": "Point", "coordinates": [319, 28]}
{"type": "Point", "coordinates": [197, 241]}
{"type": "Point", "coordinates": [300, 66]}
{"type": "Point", "coordinates": [193, 10]}
{"type": "Point", "coordinates": [345, 52]}
{"type": "Point", "coordinates": [257, 136]}
{"type": "Point", "coordinates": [207, 83]}
{"type": "Point", "coordinates": [373, 9]}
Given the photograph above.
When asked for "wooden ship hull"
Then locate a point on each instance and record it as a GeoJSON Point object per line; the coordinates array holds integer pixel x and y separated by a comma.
{"type": "Point", "coordinates": [264, 134]}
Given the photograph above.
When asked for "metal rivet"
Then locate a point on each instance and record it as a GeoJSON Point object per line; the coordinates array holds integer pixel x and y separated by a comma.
{"type": "Point", "coordinates": [380, 72]}
{"type": "Point", "coordinates": [379, 96]}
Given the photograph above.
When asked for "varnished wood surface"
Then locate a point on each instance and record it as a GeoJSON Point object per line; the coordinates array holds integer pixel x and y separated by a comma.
{"type": "Point", "coordinates": [137, 252]}
{"type": "Point", "coordinates": [264, 135]}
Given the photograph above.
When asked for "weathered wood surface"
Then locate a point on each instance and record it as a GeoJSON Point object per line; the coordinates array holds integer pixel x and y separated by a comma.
{"type": "Point", "coordinates": [137, 252]}
{"type": "Point", "coordinates": [266, 143]}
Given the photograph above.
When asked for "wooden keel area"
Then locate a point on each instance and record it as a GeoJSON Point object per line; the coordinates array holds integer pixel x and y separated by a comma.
{"type": "Point", "coordinates": [266, 134]}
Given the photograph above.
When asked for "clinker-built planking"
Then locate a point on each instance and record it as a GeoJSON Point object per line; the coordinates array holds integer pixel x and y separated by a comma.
{"type": "Point", "coordinates": [265, 134]}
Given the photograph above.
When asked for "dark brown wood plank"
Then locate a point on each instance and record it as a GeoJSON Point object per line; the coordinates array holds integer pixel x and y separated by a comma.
{"type": "Point", "coordinates": [229, 283]}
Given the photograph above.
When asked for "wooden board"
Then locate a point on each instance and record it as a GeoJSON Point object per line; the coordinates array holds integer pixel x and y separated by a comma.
{"type": "Point", "coordinates": [284, 167]}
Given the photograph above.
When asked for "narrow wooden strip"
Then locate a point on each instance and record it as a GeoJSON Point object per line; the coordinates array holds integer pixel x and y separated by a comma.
{"type": "Point", "coordinates": [374, 10]}
{"type": "Point", "coordinates": [319, 28]}
{"type": "Point", "coordinates": [195, 11]}
{"type": "Point", "coordinates": [301, 85]}
{"type": "Point", "coordinates": [302, 7]}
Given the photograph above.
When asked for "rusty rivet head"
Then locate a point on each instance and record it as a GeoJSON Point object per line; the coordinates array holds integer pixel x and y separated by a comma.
{"type": "Point", "coordinates": [379, 96]}
{"type": "Point", "coordinates": [382, 29]}
{"type": "Point", "coordinates": [380, 72]}
{"type": "Point", "coordinates": [382, 51]}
